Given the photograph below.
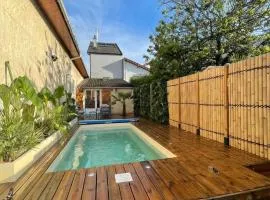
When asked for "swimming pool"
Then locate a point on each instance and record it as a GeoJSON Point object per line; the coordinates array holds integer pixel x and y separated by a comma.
{"type": "Point", "coordinates": [101, 145]}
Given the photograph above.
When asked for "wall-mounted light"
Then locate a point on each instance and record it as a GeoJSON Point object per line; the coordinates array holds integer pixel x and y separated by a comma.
{"type": "Point", "coordinates": [54, 57]}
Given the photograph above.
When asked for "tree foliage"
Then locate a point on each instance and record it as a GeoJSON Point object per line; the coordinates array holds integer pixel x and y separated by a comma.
{"type": "Point", "coordinates": [199, 33]}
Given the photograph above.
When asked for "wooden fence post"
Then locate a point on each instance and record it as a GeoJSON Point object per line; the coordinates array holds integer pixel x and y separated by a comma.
{"type": "Point", "coordinates": [140, 92]}
{"type": "Point", "coordinates": [198, 105]}
{"type": "Point", "coordinates": [226, 105]}
{"type": "Point", "coordinates": [179, 104]}
{"type": "Point", "coordinates": [150, 100]}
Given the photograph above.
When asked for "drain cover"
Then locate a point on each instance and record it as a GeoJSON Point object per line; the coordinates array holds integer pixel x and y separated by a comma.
{"type": "Point", "coordinates": [122, 178]}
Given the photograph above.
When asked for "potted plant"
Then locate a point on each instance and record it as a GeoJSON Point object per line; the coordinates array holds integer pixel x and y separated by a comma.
{"type": "Point", "coordinates": [122, 97]}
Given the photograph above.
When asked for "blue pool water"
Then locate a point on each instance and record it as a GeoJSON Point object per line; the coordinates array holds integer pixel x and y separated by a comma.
{"type": "Point", "coordinates": [104, 146]}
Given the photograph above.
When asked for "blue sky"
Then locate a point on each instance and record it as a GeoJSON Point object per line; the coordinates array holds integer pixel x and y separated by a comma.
{"type": "Point", "coordinates": [125, 22]}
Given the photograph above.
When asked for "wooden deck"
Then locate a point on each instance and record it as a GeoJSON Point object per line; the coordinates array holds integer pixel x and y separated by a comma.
{"type": "Point", "coordinates": [187, 176]}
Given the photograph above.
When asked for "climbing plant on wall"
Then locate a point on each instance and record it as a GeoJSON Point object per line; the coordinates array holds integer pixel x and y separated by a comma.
{"type": "Point", "coordinates": [150, 99]}
{"type": "Point", "coordinates": [158, 102]}
{"type": "Point", "coordinates": [144, 100]}
{"type": "Point", "coordinates": [136, 101]}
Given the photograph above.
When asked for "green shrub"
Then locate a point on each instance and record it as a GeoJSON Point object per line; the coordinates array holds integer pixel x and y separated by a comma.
{"type": "Point", "coordinates": [150, 99]}
{"type": "Point", "coordinates": [158, 102]}
{"type": "Point", "coordinates": [27, 117]}
{"type": "Point", "coordinates": [20, 105]}
{"type": "Point", "coordinates": [145, 100]}
{"type": "Point", "coordinates": [70, 107]}
{"type": "Point", "coordinates": [17, 135]}
{"type": "Point", "coordinates": [136, 101]}
{"type": "Point", "coordinates": [56, 115]}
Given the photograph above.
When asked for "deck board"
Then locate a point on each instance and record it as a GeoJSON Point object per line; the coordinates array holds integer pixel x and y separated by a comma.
{"type": "Point", "coordinates": [125, 188]}
{"type": "Point", "coordinates": [52, 186]}
{"type": "Point", "coordinates": [39, 187]}
{"type": "Point", "coordinates": [76, 189]}
{"type": "Point", "coordinates": [136, 185]}
{"type": "Point", "coordinates": [150, 189]}
{"type": "Point", "coordinates": [65, 185]}
{"type": "Point", "coordinates": [102, 184]}
{"type": "Point", "coordinates": [89, 189]}
{"type": "Point", "coordinates": [164, 191]}
{"type": "Point", "coordinates": [187, 176]}
{"type": "Point", "coordinates": [113, 187]}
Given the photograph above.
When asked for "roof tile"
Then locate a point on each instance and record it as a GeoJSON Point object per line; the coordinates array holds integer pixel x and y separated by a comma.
{"type": "Point", "coordinates": [104, 48]}
{"type": "Point", "coordinates": [104, 83]}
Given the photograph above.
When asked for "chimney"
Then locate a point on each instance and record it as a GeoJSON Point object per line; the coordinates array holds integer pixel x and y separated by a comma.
{"type": "Point", "coordinates": [95, 41]}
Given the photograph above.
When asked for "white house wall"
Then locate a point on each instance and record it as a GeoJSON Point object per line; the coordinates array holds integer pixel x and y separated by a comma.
{"type": "Point", "coordinates": [133, 70]}
{"type": "Point", "coordinates": [106, 66]}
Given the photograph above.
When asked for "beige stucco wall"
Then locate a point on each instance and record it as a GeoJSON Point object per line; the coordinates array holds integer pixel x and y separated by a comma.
{"type": "Point", "coordinates": [26, 41]}
{"type": "Point", "coordinates": [118, 107]}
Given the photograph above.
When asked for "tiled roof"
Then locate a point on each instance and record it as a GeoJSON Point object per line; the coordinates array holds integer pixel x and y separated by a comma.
{"type": "Point", "coordinates": [137, 64]}
{"type": "Point", "coordinates": [104, 48]}
{"type": "Point", "coordinates": [104, 83]}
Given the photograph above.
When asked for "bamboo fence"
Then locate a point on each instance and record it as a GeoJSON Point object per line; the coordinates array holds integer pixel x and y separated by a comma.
{"type": "Point", "coordinates": [173, 101]}
{"type": "Point", "coordinates": [231, 101]}
{"type": "Point", "coordinates": [189, 103]}
{"type": "Point", "coordinates": [212, 103]}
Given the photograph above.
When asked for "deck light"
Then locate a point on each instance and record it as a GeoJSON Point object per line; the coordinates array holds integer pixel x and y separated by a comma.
{"type": "Point", "coordinates": [91, 174]}
{"type": "Point", "coordinates": [213, 170]}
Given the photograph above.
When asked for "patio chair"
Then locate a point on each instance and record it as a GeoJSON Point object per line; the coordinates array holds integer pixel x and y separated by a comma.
{"type": "Point", "coordinates": [90, 113]}
{"type": "Point", "coordinates": [105, 111]}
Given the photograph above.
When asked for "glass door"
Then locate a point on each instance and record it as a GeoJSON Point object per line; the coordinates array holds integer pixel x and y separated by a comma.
{"type": "Point", "coordinates": [93, 99]}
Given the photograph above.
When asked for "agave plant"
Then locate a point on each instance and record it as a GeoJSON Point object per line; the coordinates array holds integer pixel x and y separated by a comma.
{"type": "Point", "coordinates": [122, 97]}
